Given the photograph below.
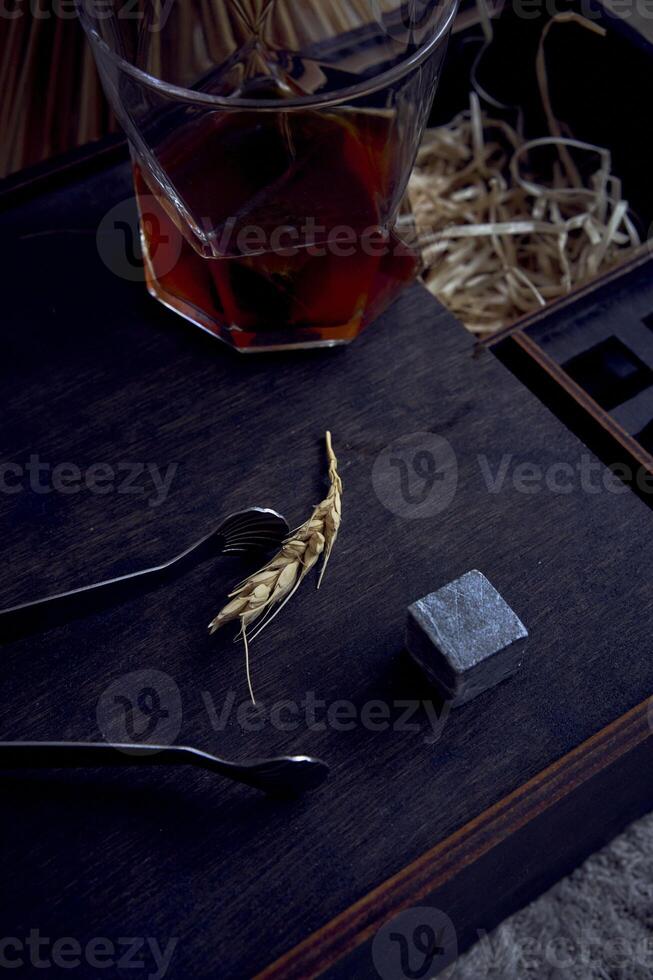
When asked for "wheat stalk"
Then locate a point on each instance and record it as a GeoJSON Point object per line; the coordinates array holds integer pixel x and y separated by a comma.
{"type": "Point", "coordinates": [267, 591]}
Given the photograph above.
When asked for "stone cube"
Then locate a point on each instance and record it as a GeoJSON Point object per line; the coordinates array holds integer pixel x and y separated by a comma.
{"type": "Point", "coordinates": [465, 637]}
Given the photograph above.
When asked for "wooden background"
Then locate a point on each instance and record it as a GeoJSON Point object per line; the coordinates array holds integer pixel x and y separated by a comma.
{"type": "Point", "coordinates": [92, 370]}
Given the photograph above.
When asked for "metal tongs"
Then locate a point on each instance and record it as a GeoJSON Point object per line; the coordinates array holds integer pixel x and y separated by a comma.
{"type": "Point", "coordinates": [249, 532]}
{"type": "Point", "coordinates": [285, 776]}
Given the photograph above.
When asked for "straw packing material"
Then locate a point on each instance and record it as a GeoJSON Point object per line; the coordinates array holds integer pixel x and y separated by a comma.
{"type": "Point", "coordinates": [498, 243]}
{"type": "Point", "coordinates": [499, 238]}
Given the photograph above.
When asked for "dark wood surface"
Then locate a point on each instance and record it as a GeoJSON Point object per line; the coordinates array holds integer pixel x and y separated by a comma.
{"type": "Point", "coordinates": [504, 857]}
{"type": "Point", "coordinates": [92, 371]}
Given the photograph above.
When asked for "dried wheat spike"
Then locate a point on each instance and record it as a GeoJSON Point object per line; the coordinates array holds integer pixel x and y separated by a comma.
{"type": "Point", "coordinates": [265, 593]}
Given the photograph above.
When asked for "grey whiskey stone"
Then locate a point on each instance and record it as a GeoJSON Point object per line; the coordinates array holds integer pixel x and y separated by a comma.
{"type": "Point", "coordinates": [465, 637]}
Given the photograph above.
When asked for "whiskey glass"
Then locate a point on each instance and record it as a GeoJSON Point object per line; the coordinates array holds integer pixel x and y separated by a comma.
{"type": "Point", "coordinates": [272, 142]}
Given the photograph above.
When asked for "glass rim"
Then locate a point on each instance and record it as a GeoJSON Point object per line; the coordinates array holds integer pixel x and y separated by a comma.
{"type": "Point", "coordinates": [266, 105]}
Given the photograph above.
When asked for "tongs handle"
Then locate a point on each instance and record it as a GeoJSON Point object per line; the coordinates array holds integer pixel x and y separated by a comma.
{"type": "Point", "coordinates": [256, 530]}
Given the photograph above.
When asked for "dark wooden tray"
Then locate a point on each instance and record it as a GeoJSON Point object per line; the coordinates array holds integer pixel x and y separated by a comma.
{"type": "Point", "coordinates": [590, 358]}
{"type": "Point", "coordinates": [524, 782]}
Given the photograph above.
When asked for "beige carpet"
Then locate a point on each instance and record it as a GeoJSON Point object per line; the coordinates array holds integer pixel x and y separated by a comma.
{"type": "Point", "coordinates": [595, 925]}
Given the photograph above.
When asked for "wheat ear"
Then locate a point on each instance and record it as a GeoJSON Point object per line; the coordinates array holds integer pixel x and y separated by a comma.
{"type": "Point", "coordinates": [266, 592]}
